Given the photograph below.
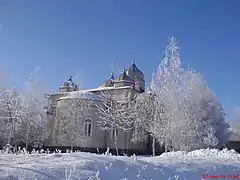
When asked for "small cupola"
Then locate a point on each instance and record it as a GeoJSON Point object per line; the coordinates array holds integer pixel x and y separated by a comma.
{"type": "Point", "coordinates": [109, 82]}
{"type": "Point", "coordinates": [68, 86]}
{"type": "Point", "coordinates": [112, 76]}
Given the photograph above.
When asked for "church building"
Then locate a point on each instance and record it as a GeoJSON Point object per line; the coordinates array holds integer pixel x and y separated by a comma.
{"type": "Point", "coordinates": [129, 83]}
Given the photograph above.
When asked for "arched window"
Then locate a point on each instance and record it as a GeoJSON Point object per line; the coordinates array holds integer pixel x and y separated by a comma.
{"type": "Point", "coordinates": [88, 127]}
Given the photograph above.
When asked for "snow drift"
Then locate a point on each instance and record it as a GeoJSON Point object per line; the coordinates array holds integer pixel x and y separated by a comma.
{"type": "Point", "coordinates": [169, 166]}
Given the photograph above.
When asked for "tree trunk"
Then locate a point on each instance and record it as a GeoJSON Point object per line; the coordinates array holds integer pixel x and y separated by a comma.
{"type": "Point", "coordinates": [26, 141]}
{"type": "Point", "coordinates": [153, 146]}
{"type": "Point", "coordinates": [11, 122]}
{"type": "Point", "coordinates": [10, 133]}
{"type": "Point", "coordinates": [15, 149]}
{"type": "Point", "coordinates": [71, 147]}
{"type": "Point", "coordinates": [115, 141]}
{"type": "Point", "coordinates": [26, 145]}
{"type": "Point", "coordinates": [9, 138]}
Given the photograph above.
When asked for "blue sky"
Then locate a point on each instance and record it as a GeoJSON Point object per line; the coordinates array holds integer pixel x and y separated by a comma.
{"type": "Point", "coordinates": [86, 36]}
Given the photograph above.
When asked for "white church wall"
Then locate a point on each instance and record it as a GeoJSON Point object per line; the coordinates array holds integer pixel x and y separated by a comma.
{"type": "Point", "coordinates": [96, 138]}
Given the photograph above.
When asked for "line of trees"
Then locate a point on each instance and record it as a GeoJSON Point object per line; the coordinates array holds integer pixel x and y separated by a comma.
{"type": "Point", "coordinates": [22, 115]}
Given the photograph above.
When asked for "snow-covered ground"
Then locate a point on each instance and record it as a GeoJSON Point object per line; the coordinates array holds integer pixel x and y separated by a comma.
{"type": "Point", "coordinates": [79, 165]}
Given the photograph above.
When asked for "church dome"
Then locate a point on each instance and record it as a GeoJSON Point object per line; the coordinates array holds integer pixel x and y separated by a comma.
{"type": "Point", "coordinates": [134, 71]}
{"type": "Point", "coordinates": [125, 77]}
{"type": "Point", "coordinates": [69, 85]}
{"type": "Point", "coordinates": [109, 82]}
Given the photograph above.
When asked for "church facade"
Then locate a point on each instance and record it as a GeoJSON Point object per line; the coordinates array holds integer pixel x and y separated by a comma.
{"type": "Point", "coordinates": [122, 88]}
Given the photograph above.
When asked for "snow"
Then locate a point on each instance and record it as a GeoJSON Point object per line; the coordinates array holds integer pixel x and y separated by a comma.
{"type": "Point", "coordinates": [79, 165]}
{"type": "Point", "coordinates": [84, 94]}
{"type": "Point", "coordinates": [110, 88]}
{"type": "Point", "coordinates": [88, 94]}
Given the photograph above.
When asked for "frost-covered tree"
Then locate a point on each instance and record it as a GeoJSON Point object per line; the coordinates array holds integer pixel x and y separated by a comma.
{"type": "Point", "coordinates": [189, 105]}
{"type": "Point", "coordinates": [115, 115]}
{"type": "Point", "coordinates": [11, 110]}
{"type": "Point", "coordinates": [4, 86]}
{"type": "Point", "coordinates": [210, 140]}
{"type": "Point", "coordinates": [217, 118]}
{"type": "Point", "coordinates": [148, 120]}
{"type": "Point", "coordinates": [192, 122]}
{"type": "Point", "coordinates": [2, 138]}
{"type": "Point", "coordinates": [203, 114]}
{"type": "Point", "coordinates": [72, 116]}
{"type": "Point", "coordinates": [33, 124]}
{"type": "Point", "coordinates": [157, 114]}
{"type": "Point", "coordinates": [166, 87]}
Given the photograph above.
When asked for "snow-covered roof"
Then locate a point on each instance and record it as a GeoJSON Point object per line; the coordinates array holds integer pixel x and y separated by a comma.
{"type": "Point", "coordinates": [110, 88]}
{"type": "Point", "coordinates": [84, 94]}
{"type": "Point", "coordinates": [88, 93]}
{"type": "Point", "coordinates": [234, 137]}
{"type": "Point", "coordinates": [236, 128]}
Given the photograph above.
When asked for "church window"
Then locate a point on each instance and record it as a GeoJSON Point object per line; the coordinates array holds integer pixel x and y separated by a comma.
{"type": "Point", "coordinates": [88, 127]}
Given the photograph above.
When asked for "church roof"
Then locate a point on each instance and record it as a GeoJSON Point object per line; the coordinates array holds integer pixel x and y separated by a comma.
{"type": "Point", "coordinates": [134, 68]}
{"type": "Point", "coordinates": [84, 94]}
{"type": "Point", "coordinates": [109, 88]}
{"type": "Point", "coordinates": [124, 77]}
{"type": "Point", "coordinates": [109, 82]}
{"type": "Point", "coordinates": [234, 137]}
